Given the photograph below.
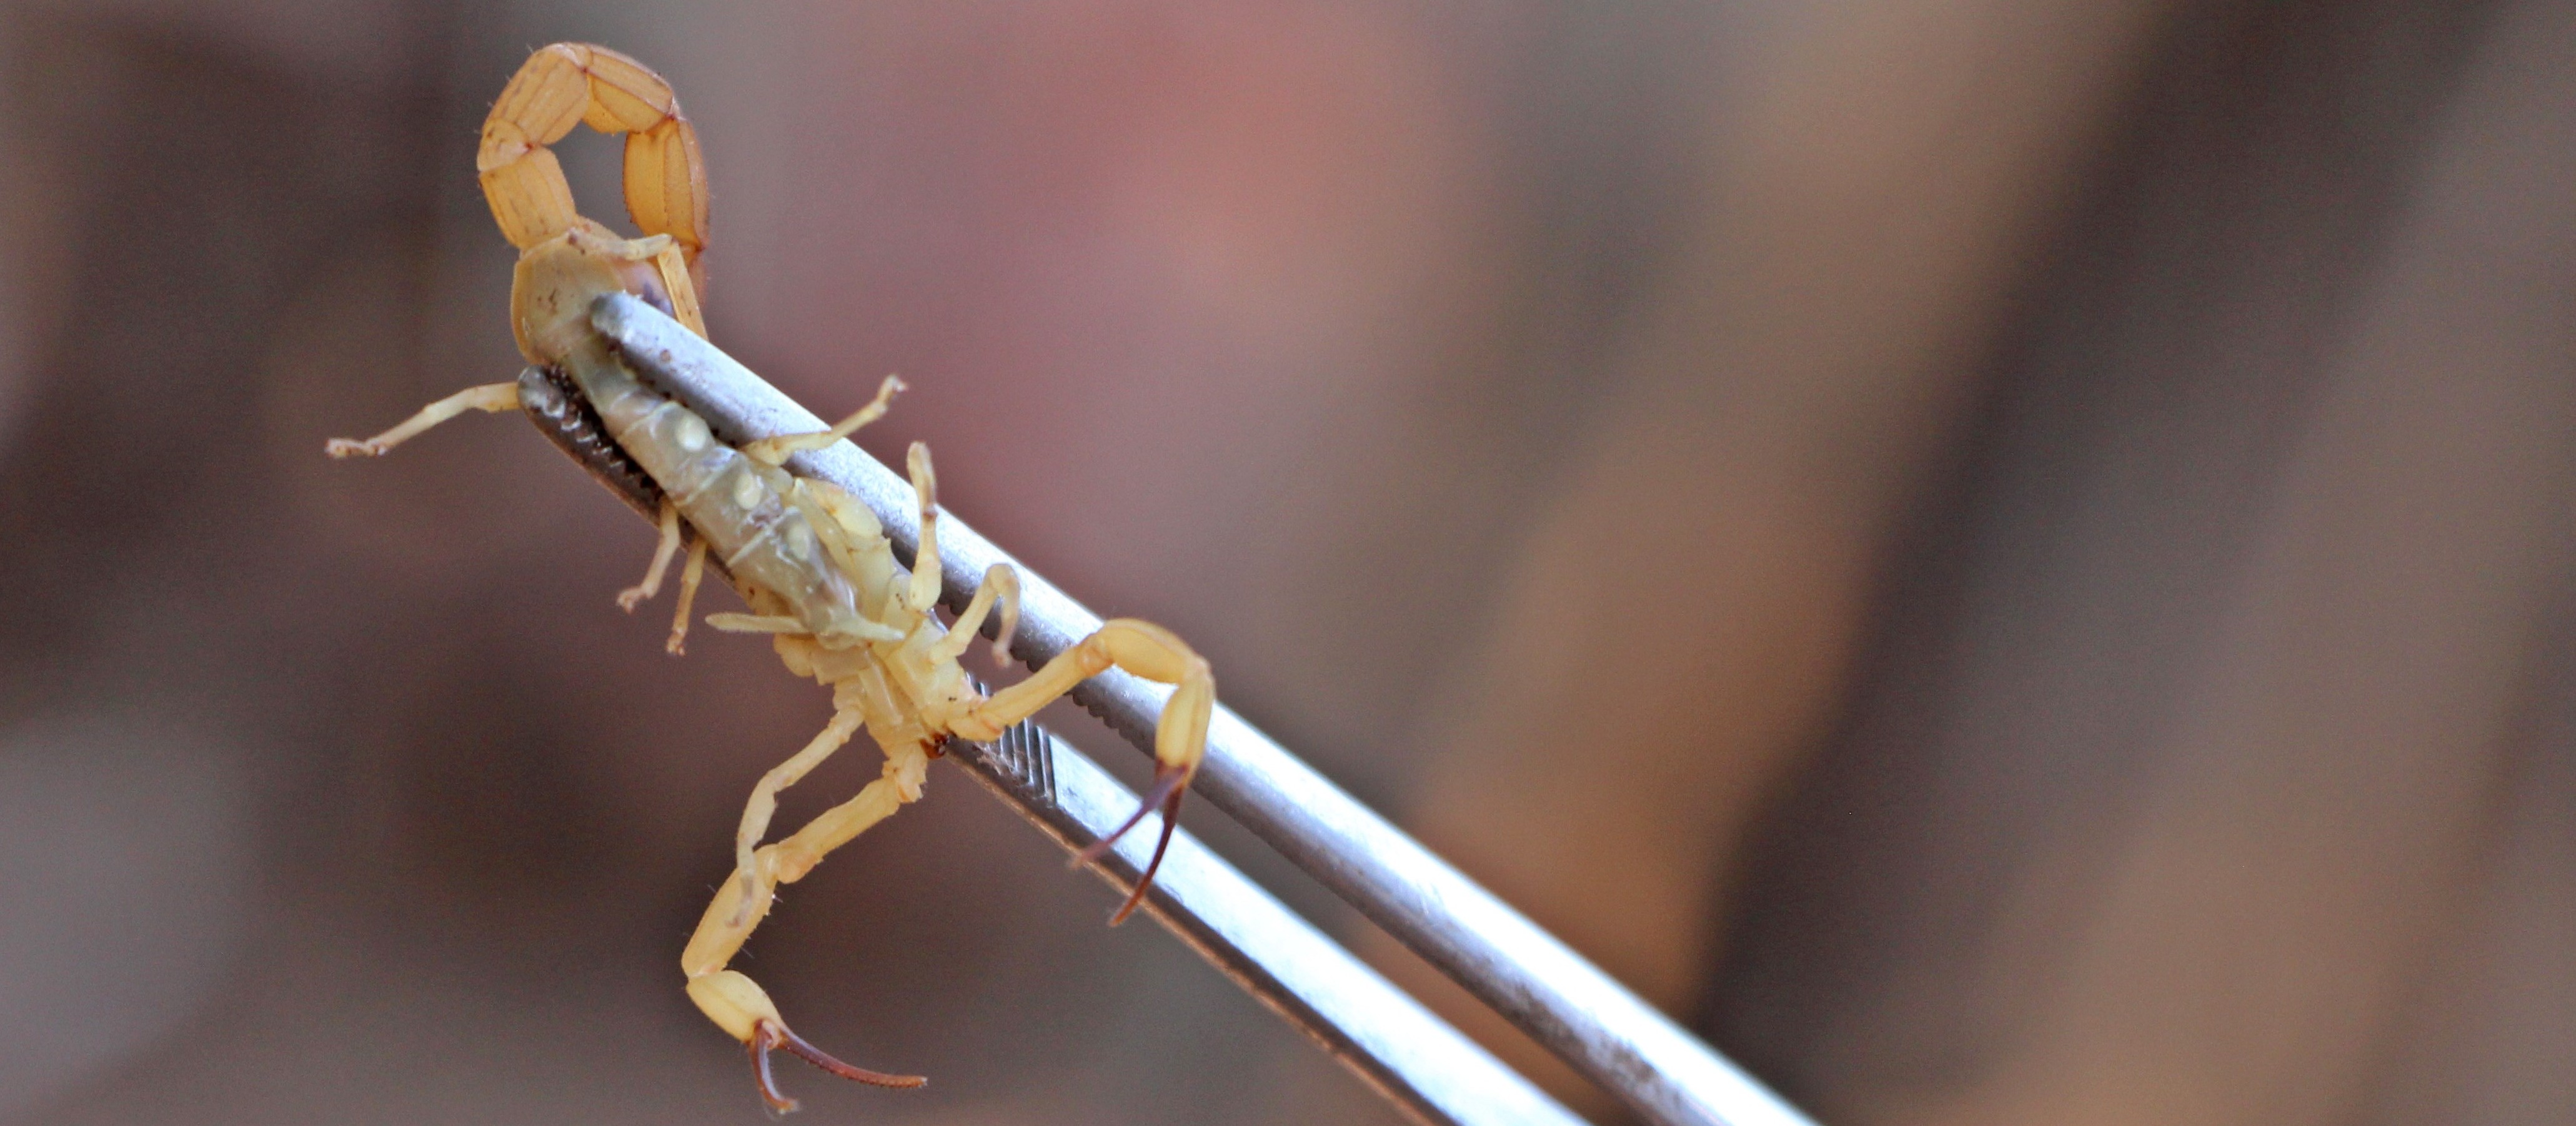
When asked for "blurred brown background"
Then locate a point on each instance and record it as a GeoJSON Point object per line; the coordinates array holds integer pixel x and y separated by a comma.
{"type": "Point", "coordinates": [2005, 559]}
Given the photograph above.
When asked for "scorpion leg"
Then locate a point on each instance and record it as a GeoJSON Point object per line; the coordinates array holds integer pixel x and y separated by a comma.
{"type": "Point", "coordinates": [763, 804]}
{"type": "Point", "coordinates": [1180, 735]}
{"type": "Point", "coordinates": [787, 623]}
{"type": "Point", "coordinates": [731, 999]}
{"type": "Point", "coordinates": [923, 594]}
{"type": "Point", "coordinates": [756, 623]}
{"type": "Point", "coordinates": [491, 398]}
{"type": "Point", "coordinates": [691, 574]}
{"type": "Point", "coordinates": [1141, 648]}
{"type": "Point", "coordinates": [906, 768]}
{"type": "Point", "coordinates": [663, 550]}
{"type": "Point", "coordinates": [774, 451]}
{"type": "Point", "coordinates": [1001, 585]}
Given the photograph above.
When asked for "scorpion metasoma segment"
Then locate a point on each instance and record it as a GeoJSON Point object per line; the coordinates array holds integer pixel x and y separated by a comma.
{"type": "Point", "coordinates": [812, 562]}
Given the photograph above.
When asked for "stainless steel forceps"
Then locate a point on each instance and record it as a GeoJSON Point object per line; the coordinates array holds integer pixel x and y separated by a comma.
{"type": "Point", "coordinates": [1417, 1060]}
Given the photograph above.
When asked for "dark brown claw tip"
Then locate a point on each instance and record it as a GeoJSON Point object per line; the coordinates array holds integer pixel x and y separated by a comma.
{"type": "Point", "coordinates": [1170, 782]}
{"type": "Point", "coordinates": [775, 1036]}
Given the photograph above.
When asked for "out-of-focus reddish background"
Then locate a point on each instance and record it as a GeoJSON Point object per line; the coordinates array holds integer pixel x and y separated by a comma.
{"type": "Point", "coordinates": [2007, 560]}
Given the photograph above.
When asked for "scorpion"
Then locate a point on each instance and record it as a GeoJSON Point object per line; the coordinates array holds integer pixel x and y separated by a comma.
{"type": "Point", "coordinates": [812, 563]}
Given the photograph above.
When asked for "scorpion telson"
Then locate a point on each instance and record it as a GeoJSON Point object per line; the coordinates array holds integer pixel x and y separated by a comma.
{"type": "Point", "coordinates": [813, 564]}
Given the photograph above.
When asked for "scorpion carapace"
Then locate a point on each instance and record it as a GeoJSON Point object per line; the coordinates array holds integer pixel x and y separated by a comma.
{"type": "Point", "coordinates": [813, 564]}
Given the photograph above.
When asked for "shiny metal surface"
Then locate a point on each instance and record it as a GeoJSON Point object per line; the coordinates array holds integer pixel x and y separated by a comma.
{"type": "Point", "coordinates": [1408, 1054]}
{"type": "Point", "coordinates": [1595, 1024]}
{"type": "Point", "coordinates": [1411, 1056]}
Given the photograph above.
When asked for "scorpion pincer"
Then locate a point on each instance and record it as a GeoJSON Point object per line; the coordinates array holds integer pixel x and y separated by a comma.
{"type": "Point", "coordinates": [812, 563]}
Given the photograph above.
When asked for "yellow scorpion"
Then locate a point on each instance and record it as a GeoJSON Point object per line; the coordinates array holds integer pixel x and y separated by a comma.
{"type": "Point", "coordinates": [813, 563]}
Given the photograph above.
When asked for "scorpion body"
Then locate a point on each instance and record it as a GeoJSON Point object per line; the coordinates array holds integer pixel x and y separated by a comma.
{"type": "Point", "coordinates": [812, 563]}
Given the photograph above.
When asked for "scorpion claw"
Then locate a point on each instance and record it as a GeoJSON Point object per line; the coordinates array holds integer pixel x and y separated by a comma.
{"type": "Point", "coordinates": [1170, 783]}
{"type": "Point", "coordinates": [776, 1100]}
{"type": "Point", "coordinates": [770, 1035]}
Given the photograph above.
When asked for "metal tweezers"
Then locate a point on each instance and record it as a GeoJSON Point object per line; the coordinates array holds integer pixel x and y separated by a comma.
{"type": "Point", "coordinates": [1415, 1059]}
